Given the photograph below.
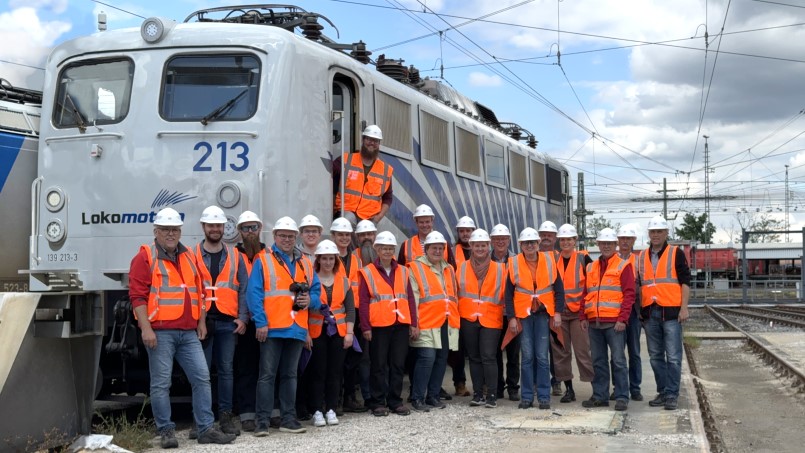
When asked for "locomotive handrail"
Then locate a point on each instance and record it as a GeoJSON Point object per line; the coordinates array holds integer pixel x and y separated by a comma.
{"type": "Point", "coordinates": [32, 241]}
{"type": "Point", "coordinates": [67, 138]}
{"type": "Point", "coordinates": [260, 177]}
{"type": "Point", "coordinates": [161, 134]}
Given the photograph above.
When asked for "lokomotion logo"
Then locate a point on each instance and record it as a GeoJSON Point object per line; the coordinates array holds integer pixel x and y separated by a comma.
{"type": "Point", "coordinates": [163, 199]}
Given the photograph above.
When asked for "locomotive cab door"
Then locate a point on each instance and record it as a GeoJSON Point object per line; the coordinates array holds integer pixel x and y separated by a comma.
{"type": "Point", "coordinates": [343, 120]}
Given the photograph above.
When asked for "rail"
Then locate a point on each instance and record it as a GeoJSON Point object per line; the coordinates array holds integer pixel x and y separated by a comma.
{"type": "Point", "coordinates": [764, 317]}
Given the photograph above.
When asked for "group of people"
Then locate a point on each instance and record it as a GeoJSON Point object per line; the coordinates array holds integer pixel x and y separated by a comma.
{"type": "Point", "coordinates": [296, 330]}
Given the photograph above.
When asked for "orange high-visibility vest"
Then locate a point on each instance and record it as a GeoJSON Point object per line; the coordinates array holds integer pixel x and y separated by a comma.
{"type": "Point", "coordinates": [527, 290]}
{"type": "Point", "coordinates": [387, 305]}
{"type": "Point", "coordinates": [250, 264]}
{"type": "Point", "coordinates": [483, 302]}
{"type": "Point", "coordinates": [458, 252]}
{"type": "Point", "coordinates": [436, 302]}
{"type": "Point", "coordinates": [414, 249]}
{"type": "Point", "coordinates": [277, 297]}
{"type": "Point", "coordinates": [660, 286]}
{"type": "Point", "coordinates": [353, 277]}
{"type": "Point", "coordinates": [364, 199]}
{"type": "Point", "coordinates": [337, 308]}
{"type": "Point", "coordinates": [169, 286]}
{"type": "Point", "coordinates": [574, 281]}
{"type": "Point", "coordinates": [223, 293]}
{"type": "Point", "coordinates": [604, 292]}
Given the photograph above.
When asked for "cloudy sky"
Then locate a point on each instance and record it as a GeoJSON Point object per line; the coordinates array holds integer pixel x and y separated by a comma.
{"type": "Point", "coordinates": [636, 85]}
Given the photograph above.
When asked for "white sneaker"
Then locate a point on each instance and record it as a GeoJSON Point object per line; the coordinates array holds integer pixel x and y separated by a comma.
{"type": "Point", "coordinates": [318, 419]}
{"type": "Point", "coordinates": [331, 418]}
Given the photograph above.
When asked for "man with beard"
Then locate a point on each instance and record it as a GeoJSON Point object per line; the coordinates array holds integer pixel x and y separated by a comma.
{"type": "Point", "coordinates": [367, 186]}
{"type": "Point", "coordinates": [247, 352]}
{"type": "Point", "coordinates": [224, 277]}
{"type": "Point", "coordinates": [464, 229]}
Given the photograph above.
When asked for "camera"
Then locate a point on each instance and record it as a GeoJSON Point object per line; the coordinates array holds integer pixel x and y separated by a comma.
{"type": "Point", "coordinates": [297, 288]}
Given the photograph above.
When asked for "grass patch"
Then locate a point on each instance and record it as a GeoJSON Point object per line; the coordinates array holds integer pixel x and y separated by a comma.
{"type": "Point", "coordinates": [133, 435]}
{"type": "Point", "coordinates": [692, 342]}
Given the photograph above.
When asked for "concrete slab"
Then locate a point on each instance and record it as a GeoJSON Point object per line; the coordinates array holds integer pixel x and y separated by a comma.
{"type": "Point", "coordinates": [563, 423]}
{"type": "Point", "coordinates": [716, 335]}
{"type": "Point", "coordinates": [790, 345]}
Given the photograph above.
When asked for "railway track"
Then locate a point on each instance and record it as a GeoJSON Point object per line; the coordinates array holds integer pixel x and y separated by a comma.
{"type": "Point", "coordinates": [766, 315]}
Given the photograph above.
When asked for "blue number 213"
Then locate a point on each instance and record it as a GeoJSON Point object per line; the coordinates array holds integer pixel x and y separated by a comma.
{"type": "Point", "coordinates": [241, 159]}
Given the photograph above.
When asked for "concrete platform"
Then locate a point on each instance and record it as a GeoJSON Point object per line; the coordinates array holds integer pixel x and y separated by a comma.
{"type": "Point", "coordinates": [716, 335]}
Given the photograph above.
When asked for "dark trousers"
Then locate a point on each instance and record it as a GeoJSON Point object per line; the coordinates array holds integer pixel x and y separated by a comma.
{"type": "Point", "coordinates": [279, 363]}
{"type": "Point", "coordinates": [387, 352]}
{"type": "Point", "coordinates": [512, 382]}
{"type": "Point", "coordinates": [325, 370]}
{"type": "Point", "coordinates": [481, 346]}
{"type": "Point", "coordinates": [457, 360]}
{"type": "Point", "coordinates": [247, 360]}
{"type": "Point", "coordinates": [356, 368]}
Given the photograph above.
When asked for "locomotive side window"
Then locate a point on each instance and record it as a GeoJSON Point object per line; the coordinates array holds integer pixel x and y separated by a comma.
{"type": "Point", "coordinates": [93, 92]}
{"type": "Point", "coordinates": [210, 88]}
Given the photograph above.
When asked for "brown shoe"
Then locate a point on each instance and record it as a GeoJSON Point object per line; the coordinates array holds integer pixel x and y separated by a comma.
{"type": "Point", "coordinates": [461, 389]}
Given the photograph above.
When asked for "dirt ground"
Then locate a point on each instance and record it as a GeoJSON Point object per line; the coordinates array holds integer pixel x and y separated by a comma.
{"type": "Point", "coordinates": [755, 410]}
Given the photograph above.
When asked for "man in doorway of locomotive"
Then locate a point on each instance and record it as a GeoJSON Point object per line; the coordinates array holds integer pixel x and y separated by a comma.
{"type": "Point", "coordinates": [225, 277]}
{"type": "Point", "coordinates": [664, 292]}
{"type": "Point", "coordinates": [247, 351]}
{"type": "Point", "coordinates": [282, 287]}
{"type": "Point", "coordinates": [367, 188]}
{"type": "Point", "coordinates": [607, 305]}
{"type": "Point", "coordinates": [166, 294]}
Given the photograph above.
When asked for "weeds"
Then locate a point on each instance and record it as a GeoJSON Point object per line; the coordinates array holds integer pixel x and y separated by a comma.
{"type": "Point", "coordinates": [693, 342]}
{"type": "Point", "coordinates": [132, 435]}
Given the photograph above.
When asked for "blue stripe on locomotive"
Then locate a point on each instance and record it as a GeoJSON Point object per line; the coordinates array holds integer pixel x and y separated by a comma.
{"type": "Point", "coordinates": [10, 145]}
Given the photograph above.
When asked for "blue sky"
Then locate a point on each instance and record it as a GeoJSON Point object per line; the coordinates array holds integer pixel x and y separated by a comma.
{"type": "Point", "coordinates": [626, 117]}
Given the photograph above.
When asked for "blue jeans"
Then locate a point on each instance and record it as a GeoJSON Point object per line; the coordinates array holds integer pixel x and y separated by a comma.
{"type": "Point", "coordinates": [279, 357]}
{"type": "Point", "coordinates": [220, 345]}
{"type": "Point", "coordinates": [601, 342]}
{"type": "Point", "coordinates": [535, 365]}
{"type": "Point", "coordinates": [633, 348]}
{"type": "Point", "coordinates": [664, 339]}
{"type": "Point", "coordinates": [429, 369]}
{"type": "Point", "coordinates": [185, 347]}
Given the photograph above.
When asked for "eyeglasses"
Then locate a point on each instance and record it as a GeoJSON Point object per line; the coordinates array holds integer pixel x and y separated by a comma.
{"type": "Point", "coordinates": [287, 237]}
{"type": "Point", "coordinates": [529, 243]}
{"type": "Point", "coordinates": [310, 231]}
{"type": "Point", "coordinates": [249, 228]}
{"type": "Point", "coordinates": [169, 230]}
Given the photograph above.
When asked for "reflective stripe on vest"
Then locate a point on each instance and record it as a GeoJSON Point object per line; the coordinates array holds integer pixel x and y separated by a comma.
{"type": "Point", "coordinates": [525, 294]}
{"type": "Point", "coordinates": [604, 292]}
{"type": "Point", "coordinates": [353, 277]}
{"type": "Point", "coordinates": [387, 305]}
{"type": "Point", "coordinates": [484, 304]}
{"type": "Point", "coordinates": [660, 286]}
{"type": "Point", "coordinates": [169, 285]}
{"type": "Point", "coordinates": [277, 297]}
{"type": "Point", "coordinates": [224, 292]}
{"type": "Point", "coordinates": [574, 281]}
{"type": "Point", "coordinates": [436, 302]}
{"type": "Point", "coordinates": [364, 199]}
{"type": "Point", "coordinates": [337, 308]}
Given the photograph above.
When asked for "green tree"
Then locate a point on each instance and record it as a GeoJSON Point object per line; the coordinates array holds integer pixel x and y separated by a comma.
{"type": "Point", "coordinates": [696, 229]}
{"type": "Point", "coordinates": [759, 222]}
{"type": "Point", "coordinates": [596, 224]}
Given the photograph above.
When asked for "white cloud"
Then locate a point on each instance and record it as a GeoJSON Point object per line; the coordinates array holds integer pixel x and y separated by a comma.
{"type": "Point", "coordinates": [56, 6]}
{"type": "Point", "coordinates": [480, 79]}
{"type": "Point", "coordinates": [27, 41]}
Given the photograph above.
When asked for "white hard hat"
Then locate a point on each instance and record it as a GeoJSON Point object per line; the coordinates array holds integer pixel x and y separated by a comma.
{"type": "Point", "coordinates": [310, 220]}
{"type": "Point", "coordinates": [528, 234]}
{"type": "Point", "coordinates": [479, 235]}
{"type": "Point", "coordinates": [249, 216]}
{"type": "Point", "coordinates": [285, 223]}
{"type": "Point", "coordinates": [658, 223]}
{"type": "Point", "coordinates": [365, 226]}
{"type": "Point", "coordinates": [548, 227]}
{"type": "Point", "coordinates": [500, 230]}
{"type": "Point", "coordinates": [373, 131]}
{"type": "Point", "coordinates": [567, 231]}
{"type": "Point", "coordinates": [341, 225]}
{"type": "Point", "coordinates": [434, 237]}
{"type": "Point", "coordinates": [213, 214]}
{"type": "Point", "coordinates": [466, 222]}
{"type": "Point", "coordinates": [326, 247]}
{"type": "Point", "coordinates": [168, 217]}
{"type": "Point", "coordinates": [607, 235]}
{"type": "Point", "coordinates": [627, 231]}
{"type": "Point", "coordinates": [385, 238]}
{"type": "Point", "coordinates": [423, 210]}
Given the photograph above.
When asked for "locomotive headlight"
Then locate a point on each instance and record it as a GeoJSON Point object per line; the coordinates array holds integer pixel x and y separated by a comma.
{"type": "Point", "coordinates": [155, 28]}
{"type": "Point", "coordinates": [55, 230]}
{"type": "Point", "coordinates": [54, 200]}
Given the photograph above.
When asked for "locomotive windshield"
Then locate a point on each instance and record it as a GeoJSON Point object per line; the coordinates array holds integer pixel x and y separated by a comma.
{"type": "Point", "coordinates": [93, 92]}
{"type": "Point", "coordinates": [210, 88]}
